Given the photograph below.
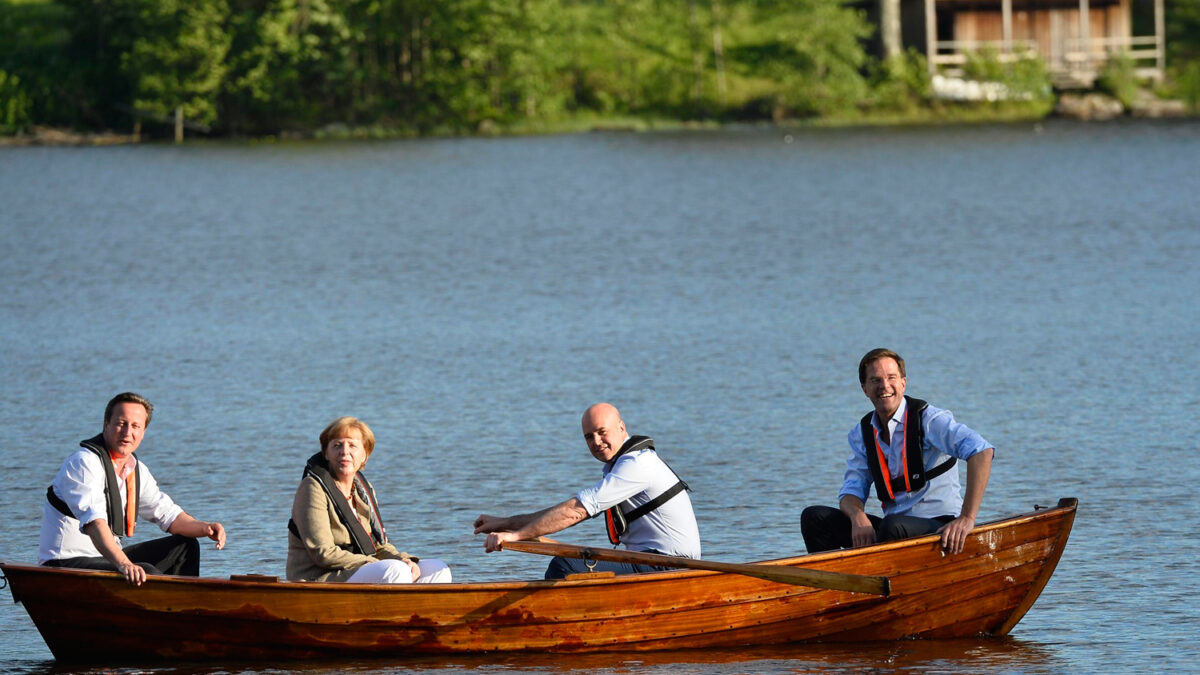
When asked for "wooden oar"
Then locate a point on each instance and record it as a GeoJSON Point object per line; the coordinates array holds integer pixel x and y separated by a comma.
{"type": "Point", "coordinates": [783, 574]}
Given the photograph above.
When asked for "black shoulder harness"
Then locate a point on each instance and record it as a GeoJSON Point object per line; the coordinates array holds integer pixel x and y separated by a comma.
{"type": "Point", "coordinates": [914, 476]}
{"type": "Point", "coordinates": [112, 495]}
{"type": "Point", "coordinates": [362, 542]}
{"type": "Point", "coordinates": [616, 520]}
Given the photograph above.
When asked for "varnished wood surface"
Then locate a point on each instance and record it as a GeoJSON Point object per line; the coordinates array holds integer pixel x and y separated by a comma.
{"type": "Point", "coordinates": [783, 574]}
{"type": "Point", "coordinates": [87, 616]}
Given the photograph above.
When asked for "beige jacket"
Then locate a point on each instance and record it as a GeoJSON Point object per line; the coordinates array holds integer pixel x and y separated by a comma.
{"type": "Point", "coordinates": [324, 552]}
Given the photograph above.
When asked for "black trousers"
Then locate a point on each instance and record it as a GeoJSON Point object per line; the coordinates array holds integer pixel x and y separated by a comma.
{"type": "Point", "coordinates": [826, 528]}
{"type": "Point", "coordinates": [175, 554]}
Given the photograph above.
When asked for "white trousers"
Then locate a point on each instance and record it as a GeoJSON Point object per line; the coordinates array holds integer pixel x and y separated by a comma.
{"type": "Point", "coordinates": [433, 571]}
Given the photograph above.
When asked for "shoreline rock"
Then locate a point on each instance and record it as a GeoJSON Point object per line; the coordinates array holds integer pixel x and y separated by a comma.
{"type": "Point", "coordinates": [1088, 107]}
{"type": "Point", "coordinates": [1150, 106]}
{"type": "Point", "coordinates": [63, 137]}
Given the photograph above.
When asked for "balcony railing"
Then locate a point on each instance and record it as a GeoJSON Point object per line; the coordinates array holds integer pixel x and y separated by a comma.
{"type": "Point", "coordinates": [1070, 55]}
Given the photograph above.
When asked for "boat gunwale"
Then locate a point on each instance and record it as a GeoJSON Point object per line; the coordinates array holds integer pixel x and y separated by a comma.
{"type": "Point", "coordinates": [276, 584]}
{"type": "Point", "coordinates": [1065, 504]}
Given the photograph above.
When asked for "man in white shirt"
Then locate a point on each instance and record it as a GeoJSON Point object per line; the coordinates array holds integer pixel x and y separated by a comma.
{"type": "Point", "coordinates": [651, 498]}
{"type": "Point", "coordinates": [89, 508]}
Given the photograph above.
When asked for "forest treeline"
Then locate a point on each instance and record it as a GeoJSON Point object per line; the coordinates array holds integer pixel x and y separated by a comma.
{"type": "Point", "coordinates": [261, 67]}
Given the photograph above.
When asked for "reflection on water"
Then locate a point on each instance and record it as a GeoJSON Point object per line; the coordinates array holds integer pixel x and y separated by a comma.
{"type": "Point", "coordinates": [909, 656]}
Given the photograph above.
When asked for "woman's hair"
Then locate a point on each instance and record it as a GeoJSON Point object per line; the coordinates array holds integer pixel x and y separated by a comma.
{"type": "Point", "coordinates": [339, 427]}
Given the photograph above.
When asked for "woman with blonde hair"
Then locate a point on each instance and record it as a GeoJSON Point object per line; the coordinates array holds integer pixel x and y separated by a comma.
{"type": "Point", "coordinates": [336, 532]}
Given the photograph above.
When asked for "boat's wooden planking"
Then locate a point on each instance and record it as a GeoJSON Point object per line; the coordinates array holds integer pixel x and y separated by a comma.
{"type": "Point", "coordinates": [96, 616]}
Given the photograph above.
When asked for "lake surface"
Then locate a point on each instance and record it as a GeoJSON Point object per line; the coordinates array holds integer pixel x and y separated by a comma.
{"type": "Point", "coordinates": [468, 298]}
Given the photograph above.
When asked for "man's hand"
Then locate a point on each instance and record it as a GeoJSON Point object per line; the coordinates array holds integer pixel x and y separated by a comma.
{"type": "Point", "coordinates": [187, 526]}
{"type": "Point", "coordinates": [108, 547]}
{"type": "Point", "coordinates": [862, 532]}
{"type": "Point", "coordinates": [954, 533]}
{"type": "Point", "coordinates": [485, 524]}
{"type": "Point", "coordinates": [495, 541]}
{"type": "Point", "coordinates": [416, 569]}
{"type": "Point", "coordinates": [134, 574]}
{"type": "Point", "coordinates": [216, 532]}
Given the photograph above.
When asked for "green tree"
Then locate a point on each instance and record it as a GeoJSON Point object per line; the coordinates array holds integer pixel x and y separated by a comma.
{"type": "Point", "coordinates": [178, 60]}
{"type": "Point", "coordinates": [14, 104]}
{"type": "Point", "coordinates": [100, 35]}
{"type": "Point", "coordinates": [525, 63]}
{"type": "Point", "coordinates": [1183, 31]}
{"type": "Point", "coordinates": [32, 52]}
{"type": "Point", "coordinates": [1183, 49]}
{"type": "Point", "coordinates": [266, 66]}
{"type": "Point", "coordinates": [810, 51]}
{"type": "Point", "coordinates": [297, 66]}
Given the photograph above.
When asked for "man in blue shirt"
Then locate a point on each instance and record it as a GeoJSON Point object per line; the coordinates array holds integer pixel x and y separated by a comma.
{"type": "Point", "coordinates": [912, 464]}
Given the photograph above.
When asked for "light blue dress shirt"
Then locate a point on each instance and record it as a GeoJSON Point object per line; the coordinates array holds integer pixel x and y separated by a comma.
{"type": "Point", "coordinates": [635, 476]}
{"type": "Point", "coordinates": [941, 496]}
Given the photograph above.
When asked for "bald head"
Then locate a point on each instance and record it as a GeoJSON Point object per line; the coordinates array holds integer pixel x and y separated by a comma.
{"type": "Point", "coordinates": [603, 430]}
{"type": "Point", "coordinates": [600, 411]}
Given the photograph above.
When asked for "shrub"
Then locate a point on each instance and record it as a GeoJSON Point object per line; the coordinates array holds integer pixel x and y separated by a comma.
{"type": "Point", "coordinates": [1025, 78]}
{"type": "Point", "coordinates": [1187, 84]}
{"type": "Point", "coordinates": [1118, 78]}
{"type": "Point", "coordinates": [14, 105]}
{"type": "Point", "coordinates": [902, 82]}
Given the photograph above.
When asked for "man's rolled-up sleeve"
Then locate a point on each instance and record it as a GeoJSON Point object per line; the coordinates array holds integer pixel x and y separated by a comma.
{"type": "Point", "coordinates": [153, 504]}
{"type": "Point", "coordinates": [75, 485]}
{"type": "Point", "coordinates": [623, 482]}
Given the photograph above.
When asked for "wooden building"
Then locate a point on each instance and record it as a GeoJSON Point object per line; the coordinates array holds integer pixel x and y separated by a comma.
{"type": "Point", "coordinates": [1073, 37]}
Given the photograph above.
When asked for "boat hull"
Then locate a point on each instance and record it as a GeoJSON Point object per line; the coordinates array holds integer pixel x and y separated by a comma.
{"type": "Point", "coordinates": [87, 616]}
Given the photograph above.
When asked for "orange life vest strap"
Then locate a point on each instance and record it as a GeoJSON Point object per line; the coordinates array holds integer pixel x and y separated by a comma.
{"type": "Point", "coordinates": [914, 476]}
{"type": "Point", "coordinates": [131, 499]}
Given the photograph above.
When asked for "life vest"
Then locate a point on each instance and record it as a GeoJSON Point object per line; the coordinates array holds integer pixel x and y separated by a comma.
{"type": "Point", "coordinates": [361, 541]}
{"type": "Point", "coordinates": [914, 476]}
{"type": "Point", "coordinates": [616, 519]}
{"type": "Point", "coordinates": [112, 495]}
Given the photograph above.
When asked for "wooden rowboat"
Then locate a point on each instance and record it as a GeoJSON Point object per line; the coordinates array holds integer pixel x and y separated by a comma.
{"type": "Point", "coordinates": [87, 616]}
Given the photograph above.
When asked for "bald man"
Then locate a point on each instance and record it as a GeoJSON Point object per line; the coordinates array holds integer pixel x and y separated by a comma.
{"type": "Point", "coordinates": [646, 505]}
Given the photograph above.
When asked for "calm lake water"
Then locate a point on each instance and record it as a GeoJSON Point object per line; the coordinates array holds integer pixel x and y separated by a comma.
{"type": "Point", "coordinates": [468, 298]}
